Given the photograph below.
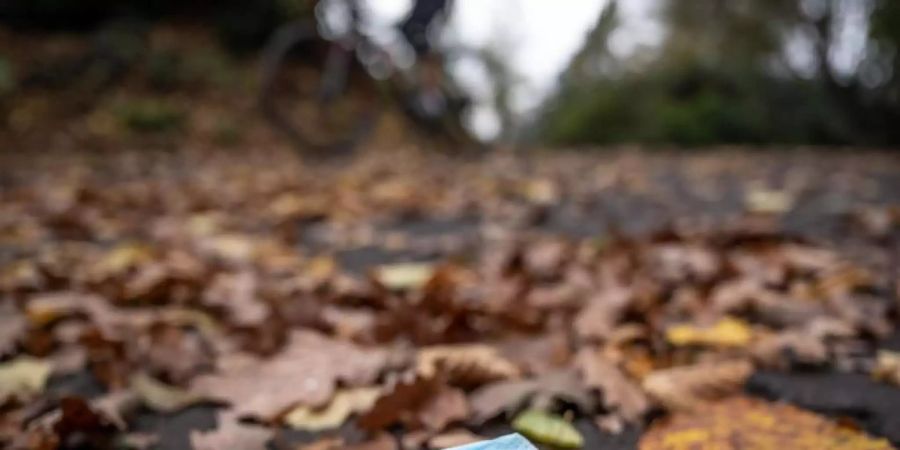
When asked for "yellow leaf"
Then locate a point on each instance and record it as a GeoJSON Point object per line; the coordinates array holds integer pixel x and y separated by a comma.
{"type": "Point", "coordinates": [727, 332]}
{"type": "Point", "coordinates": [22, 378]}
{"type": "Point", "coordinates": [768, 201]}
{"type": "Point", "coordinates": [121, 259]}
{"type": "Point", "coordinates": [343, 404]}
{"type": "Point", "coordinates": [404, 276]}
{"type": "Point", "coordinates": [547, 428]}
{"type": "Point", "coordinates": [160, 396]}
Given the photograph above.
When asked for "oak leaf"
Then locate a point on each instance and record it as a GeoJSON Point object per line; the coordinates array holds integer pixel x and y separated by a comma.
{"type": "Point", "coordinates": [692, 387]}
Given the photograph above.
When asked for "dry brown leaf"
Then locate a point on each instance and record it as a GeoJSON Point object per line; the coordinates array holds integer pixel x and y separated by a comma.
{"type": "Point", "coordinates": [602, 313]}
{"type": "Point", "coordinates": [691, 387]}
{"type": "Point", "coordinates": [538, 355]}
{"type": "Point", "coordinates": [466, 365]}
{"type": "Point", "coordinates": [237, 293]}
{"type": "Point", "coordinates": [80, 425]}
{"type": "Point", "coordinates": [741, 423]}
{"type": "Point", "coordinates": [12, 329]}
{"type": "Point", "coordinates": [493, 399]}
{"type": "Point", "coordinates": [447, 406]}
{"type": "Point", "coordinates": [305, 372]}
{"type": "Point", "coordinates": [454, 438]}
{"type": "Point", "coordinates": [618, 393]}
{"type": "Point", "coordinates": [403, 403]}
{"type": "Point", "coordinates": [780, 349]}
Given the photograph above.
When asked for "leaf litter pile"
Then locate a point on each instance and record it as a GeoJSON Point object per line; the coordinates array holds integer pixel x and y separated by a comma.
{"type": "Point", "coordinates": [401, 301]}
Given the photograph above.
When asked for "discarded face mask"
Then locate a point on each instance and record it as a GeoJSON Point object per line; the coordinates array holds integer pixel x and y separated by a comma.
{"type": "Point", "coordinates": [508, 442]}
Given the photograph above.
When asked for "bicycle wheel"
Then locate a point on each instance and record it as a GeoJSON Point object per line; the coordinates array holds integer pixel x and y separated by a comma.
{"type": "Point", "coordinates": [315, 92]}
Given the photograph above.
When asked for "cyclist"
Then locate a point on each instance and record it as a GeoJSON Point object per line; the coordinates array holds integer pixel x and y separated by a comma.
{"type": "Point", "coordinates": [417, 27]}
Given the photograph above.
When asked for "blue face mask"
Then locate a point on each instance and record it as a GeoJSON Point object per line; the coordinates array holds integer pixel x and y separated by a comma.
{"type": "Point", "coordinates": [508, 442]}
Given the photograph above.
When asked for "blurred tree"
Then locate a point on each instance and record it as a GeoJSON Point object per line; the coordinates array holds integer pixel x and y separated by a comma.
{"type": "Point", "coordinates": [736, 71]}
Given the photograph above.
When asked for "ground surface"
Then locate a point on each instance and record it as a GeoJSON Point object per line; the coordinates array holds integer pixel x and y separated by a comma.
{"type": "Point", "coordinates": [254, 286]}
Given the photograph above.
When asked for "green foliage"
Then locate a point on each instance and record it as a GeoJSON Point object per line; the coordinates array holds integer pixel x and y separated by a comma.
{"type": "Point", "coordinates": [721, 76]}
{"type": "Point", "coordinates": [151, 116]}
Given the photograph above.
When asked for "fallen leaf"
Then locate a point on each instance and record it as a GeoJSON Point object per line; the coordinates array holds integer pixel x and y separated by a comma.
{"type": "Point", "coordinates": [80, 426]}
{"type": "Point", "coordinates": [602, 313]}
{"type": "Point", "coordinates": [619, 394]}
{"type": "Point", "coordinates": [547, 428]}
{"type": "Point", "coordinates": [404, 276]}
{"type": "Point", "coordinates": [741, 422]}
{"type": "Point", "coordinates": [417, 403]}
{"type": "Point", "coordinates": [117, 405]}
{"type": "Point", "coordinates": [780, 349]}
{"type": "Point", "coordinates": [161, 397]}
{"type": "Point", "coordinates": [691, 387]}
{"type": "Point", "coordinates": [539, 354]}
{"type": "Point", "coordinates": [727, 332]}
{"type": "Point", "coordinates": [23, 378]}
{"type": "Point", "coordinates": [454, 438]}
{"type": "Point", "coordinates": [467, 365]}
{"type": "Point", "coordinates": [768, 201]}
{"type": "Point", "coordinates": [447, 406]}
{"type": "Point", "coordinates": [237, 293]}
{"type": "Point", "coordinates": [493, 399]}
{"type": "Point", "coordinates": [887, 367]}
{"type": "Point", "coordinates": [231, 434]}
{"type": "Point", "coordinates": [305, 372]}
{"type": "Point", "coordinates": [12, 329]}
{"type": "Point", "coordinates": [344, 403]}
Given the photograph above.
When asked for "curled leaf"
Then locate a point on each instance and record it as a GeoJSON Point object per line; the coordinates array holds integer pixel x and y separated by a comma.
{"type": "Point", "coordinates": [344, 403]}
{"type": "Point", "coordinates": [160, 396]}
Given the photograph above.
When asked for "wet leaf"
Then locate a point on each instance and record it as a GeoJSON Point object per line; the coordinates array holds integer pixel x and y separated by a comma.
{"type": "Point", "coordinates": [547, 428]}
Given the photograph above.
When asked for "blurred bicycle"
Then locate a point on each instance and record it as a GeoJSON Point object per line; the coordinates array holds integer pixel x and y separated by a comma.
{"type": "Point", "coordinates": [330, 100]}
